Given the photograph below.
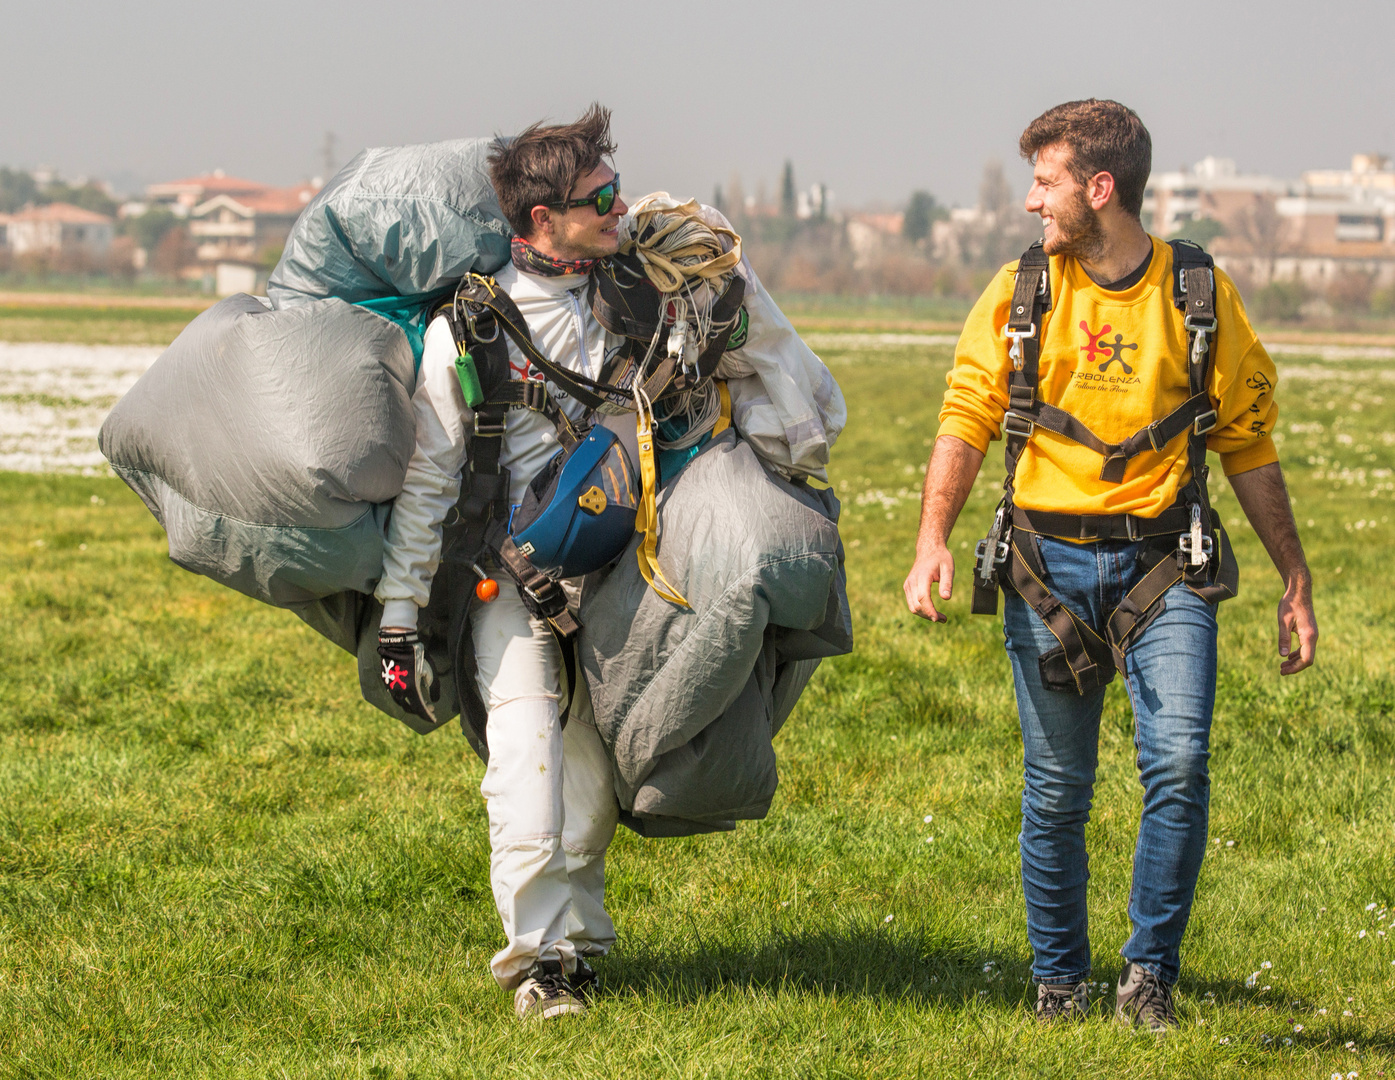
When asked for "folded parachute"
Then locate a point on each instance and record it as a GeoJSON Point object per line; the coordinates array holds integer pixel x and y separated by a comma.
{"type": "Point", "coordinates": [270, 443]}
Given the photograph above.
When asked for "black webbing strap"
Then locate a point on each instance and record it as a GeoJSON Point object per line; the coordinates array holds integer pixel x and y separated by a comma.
{"type": "Point", "coordinates": [1171, 522]}
{"type": "Point", "coordinates": [488, 310]}
{"type": "Point", "coordinates": [1083, 661]}
{"type": "Point", "coordinates": [1031, 300]}
{"type": "Point", "coordinates": [1140, 606]}
{"type": "Point", "coordinates": [541, 595]}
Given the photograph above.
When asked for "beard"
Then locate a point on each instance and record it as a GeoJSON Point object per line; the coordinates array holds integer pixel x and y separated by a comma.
{"type": "Point", "coordinates": [1078, 230]}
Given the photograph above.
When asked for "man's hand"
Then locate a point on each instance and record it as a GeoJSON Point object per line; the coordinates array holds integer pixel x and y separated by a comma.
{"type": "Point", "coordinates": [1264, 498]}
{"type": "Point", "coordinates": [948, 480]}
{"type": "Point", "coordinates": [407, 673]}
{"type": "Point", "coordinates": [1296, 617]}
{"type": "Point", "coordinates": [936, 564]}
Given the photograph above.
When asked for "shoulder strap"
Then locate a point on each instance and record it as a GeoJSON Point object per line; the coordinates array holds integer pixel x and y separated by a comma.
{"type": "Point", "coordinates": [1031, 299]}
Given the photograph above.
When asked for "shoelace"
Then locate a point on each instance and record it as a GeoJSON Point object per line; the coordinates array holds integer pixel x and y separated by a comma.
{"type": "Point", "coordinates": [1155, 1000]}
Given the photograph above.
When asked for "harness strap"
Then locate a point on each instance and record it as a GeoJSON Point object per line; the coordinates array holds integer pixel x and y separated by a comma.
{"type": "Point", "coordinates": [1085, 655]}
{"type": "Point", "coordinates": [1140, 606]}
{"type": "Point", "coordinates": [647, 517]}
{"type": "Point", "coordinates": [1171, 522]}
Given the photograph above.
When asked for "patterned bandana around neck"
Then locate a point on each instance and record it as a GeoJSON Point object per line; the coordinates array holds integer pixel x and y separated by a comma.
{"type": "Point", "coordinates": [532, 261]}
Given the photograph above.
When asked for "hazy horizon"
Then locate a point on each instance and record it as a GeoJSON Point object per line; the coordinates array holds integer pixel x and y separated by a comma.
{"type": "Point", "coordinates": [874, 102]}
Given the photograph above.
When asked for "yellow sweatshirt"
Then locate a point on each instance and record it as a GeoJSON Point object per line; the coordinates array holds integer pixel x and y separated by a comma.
{"type": "Point", "coordinates": [1117, 362]}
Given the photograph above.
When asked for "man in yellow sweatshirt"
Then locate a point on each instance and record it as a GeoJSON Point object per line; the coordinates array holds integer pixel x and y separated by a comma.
{"type": "Point", "coordinates": [1110, 388]}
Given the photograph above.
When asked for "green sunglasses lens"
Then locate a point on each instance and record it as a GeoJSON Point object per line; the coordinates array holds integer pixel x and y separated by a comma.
{"type": "Point", "coordinates": [605, 198]}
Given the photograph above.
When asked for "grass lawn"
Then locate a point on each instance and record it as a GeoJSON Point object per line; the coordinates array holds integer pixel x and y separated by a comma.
{"type": "Point", "coordinates": [215, 860]}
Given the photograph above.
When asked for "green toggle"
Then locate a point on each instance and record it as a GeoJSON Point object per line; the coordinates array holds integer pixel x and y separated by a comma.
{"type": "Point", "coordinates": [469, 380]}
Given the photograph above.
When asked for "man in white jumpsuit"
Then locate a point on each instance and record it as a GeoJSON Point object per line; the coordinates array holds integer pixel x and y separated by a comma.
{"type": "Point", "coordinates": [551, 803]}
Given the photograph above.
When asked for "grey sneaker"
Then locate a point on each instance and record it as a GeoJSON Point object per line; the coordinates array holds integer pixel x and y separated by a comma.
{"type": "Point", "coordinates": [1144, 1000]}
{"type": "Point", "coordinates": [1061, 1001]}
{"type": "Point", "coordinates": [545, 993]}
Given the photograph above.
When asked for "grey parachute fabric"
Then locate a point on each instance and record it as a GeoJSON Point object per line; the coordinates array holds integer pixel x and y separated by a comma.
{"type": "Point", "coordinates": [406, 221]}
{"type": "Point", "coordinates": [687, 701]}
{"type": "Point", "coordinates": [269, 443]}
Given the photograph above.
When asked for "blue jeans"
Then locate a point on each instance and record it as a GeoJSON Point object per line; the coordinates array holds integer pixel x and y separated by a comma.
{"type": "Point", "coordinates": [1171, 682]}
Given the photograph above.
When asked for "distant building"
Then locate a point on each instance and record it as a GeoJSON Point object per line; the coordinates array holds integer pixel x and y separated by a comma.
{"type": "Point", "coordinates": [59, 228]}
{"type": "Point", "coordinates": [181, 196]}
{"type": "Point", "coordinates": [1212, 188]}
{"type": "Point", "coordinates": [242, 228]}
{"type": "Point", "coordinates": [1332, 221]}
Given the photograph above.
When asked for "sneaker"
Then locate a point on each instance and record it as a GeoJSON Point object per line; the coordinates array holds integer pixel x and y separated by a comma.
{"type": "Point", "coordinates": [1144, 1000]}
{"type": "Point", "coordinates": [545, 993]}
{"type": "Point", "coordinates": [1061, 1001]}
{"type": "Point", "coordinates": [584, 981]}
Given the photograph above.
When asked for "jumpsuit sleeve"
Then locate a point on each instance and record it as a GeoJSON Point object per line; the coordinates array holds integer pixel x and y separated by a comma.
{"type": "Point", "coordinates": [432, 484]}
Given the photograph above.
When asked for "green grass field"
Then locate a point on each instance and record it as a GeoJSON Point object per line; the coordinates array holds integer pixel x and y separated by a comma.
{"type": "Point", "coordinates": [215, 860]}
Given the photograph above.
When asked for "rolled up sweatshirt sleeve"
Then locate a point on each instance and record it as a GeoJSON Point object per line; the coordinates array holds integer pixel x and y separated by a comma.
{"type": "Point", "coordinates": [432, 483]}
{"type": "Point", "coordinates": [977, 393]}
{"type": "Point", "coordinates": [1243, 384]}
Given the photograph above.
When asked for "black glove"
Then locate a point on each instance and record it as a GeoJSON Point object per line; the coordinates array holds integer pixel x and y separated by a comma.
{"type": "Point", "coordinates": [407, 673]}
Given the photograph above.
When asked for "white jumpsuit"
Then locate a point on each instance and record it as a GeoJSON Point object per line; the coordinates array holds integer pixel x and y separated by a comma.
{"type": "Point", "coordinates": [551, 802]}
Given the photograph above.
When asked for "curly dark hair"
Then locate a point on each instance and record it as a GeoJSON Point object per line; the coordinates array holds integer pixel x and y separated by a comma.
{"type": "Point", "coordinates": [1102, 136]}
{"type": "Point", "coordinates": [543, 163]}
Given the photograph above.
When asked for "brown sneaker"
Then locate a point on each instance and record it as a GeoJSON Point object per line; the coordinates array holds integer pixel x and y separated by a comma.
{"type": "Point", "coordinates": [1144, 1000]}
{"type": "Point", "coordinates": [1062, 1001]}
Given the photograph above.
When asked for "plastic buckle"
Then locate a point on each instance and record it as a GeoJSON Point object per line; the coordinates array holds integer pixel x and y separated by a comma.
{"type": "Point", "coordinates": [490, 429]}
{"type": "Point", "coordinates": [1025, 431]}
{"type": "Point", "coordinates": [1015, 352]}
{"type": "Point", "coordinates": [1210, 419]}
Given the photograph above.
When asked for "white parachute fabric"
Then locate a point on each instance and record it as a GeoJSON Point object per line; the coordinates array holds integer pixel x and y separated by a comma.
{"type": "Point", "coordinates": [784, 400]}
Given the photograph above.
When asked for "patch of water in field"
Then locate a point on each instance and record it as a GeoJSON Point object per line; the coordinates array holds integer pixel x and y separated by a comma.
{"type": "Point", "coordinates": [53, 399]}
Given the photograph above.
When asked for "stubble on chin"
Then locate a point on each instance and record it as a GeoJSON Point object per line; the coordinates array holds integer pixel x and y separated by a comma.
{"type": "Point", "coordinates": [1078, 233]}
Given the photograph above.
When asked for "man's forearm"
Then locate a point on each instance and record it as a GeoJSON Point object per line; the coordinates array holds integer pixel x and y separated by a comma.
{"type": "Point", "coordinates": [1264, 499]}
{"type": "Point", "coordinates": [948, 480]}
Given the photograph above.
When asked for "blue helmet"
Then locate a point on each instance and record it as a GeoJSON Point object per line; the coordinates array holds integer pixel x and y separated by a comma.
{"type": "Point", "coordinates": [579, 511]}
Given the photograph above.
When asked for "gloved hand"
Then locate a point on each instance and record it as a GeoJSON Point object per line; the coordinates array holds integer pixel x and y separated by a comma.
{"type": "Point", "coordinates": [407, 673]}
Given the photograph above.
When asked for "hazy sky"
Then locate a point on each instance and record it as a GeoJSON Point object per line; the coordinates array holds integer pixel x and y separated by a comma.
{"type": "Point", "coordinates": [873, 98]}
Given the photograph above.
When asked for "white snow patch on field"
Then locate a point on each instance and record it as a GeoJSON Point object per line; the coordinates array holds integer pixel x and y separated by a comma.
{"type": "Point", "coordinates": [53, 398]}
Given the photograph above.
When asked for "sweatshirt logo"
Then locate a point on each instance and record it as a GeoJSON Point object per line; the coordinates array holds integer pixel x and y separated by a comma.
{"type": "Point", "coordinates": [1095, 346]}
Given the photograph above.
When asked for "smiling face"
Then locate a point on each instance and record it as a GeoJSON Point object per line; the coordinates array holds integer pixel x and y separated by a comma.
{"type": "Point", "coordinates": [579, 232]}
{"type": "Point", "coordinates": [1070, 223]}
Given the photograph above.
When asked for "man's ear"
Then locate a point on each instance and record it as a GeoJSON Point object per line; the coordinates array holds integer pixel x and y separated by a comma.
{"type": "Point", "coordinates": [542, 221]}
{"type": "Point", "coordinates": [1099, 189]}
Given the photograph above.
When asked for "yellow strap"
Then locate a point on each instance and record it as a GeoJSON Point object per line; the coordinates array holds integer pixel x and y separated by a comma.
{"type": "Point", "coordinates": [647, 519]}
{"type": "Point", "coordinates": [723, 417]}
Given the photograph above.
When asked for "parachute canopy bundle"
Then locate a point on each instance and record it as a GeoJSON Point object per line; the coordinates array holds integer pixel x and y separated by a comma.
{"type": "Point", "coordinates": [270, 440]}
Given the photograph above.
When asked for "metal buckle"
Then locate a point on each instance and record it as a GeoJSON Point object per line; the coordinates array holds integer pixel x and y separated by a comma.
{"type": "Point", "coordinates": [492, 429]}
{"type": "Point", "coordinates": [1192, 544]}
{"type": "Point", "coordinates": [1210, 419]}
{"type": "Point", "coordinates": [1153, 436]}
{"type": "Point", "coordinates": [1025, 432]}
{"type": "Point", "coordinates": [1015, 352]}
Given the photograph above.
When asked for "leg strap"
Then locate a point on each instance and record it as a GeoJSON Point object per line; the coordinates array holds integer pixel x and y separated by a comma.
{"type": "Point", "coordinates": [1083, 662]}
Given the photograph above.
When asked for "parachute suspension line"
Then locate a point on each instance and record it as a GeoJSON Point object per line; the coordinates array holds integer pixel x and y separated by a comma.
{"type": "Point", "coordinates": [700, 407]}
{"type": "Point", "coordinates": [647, 519]}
